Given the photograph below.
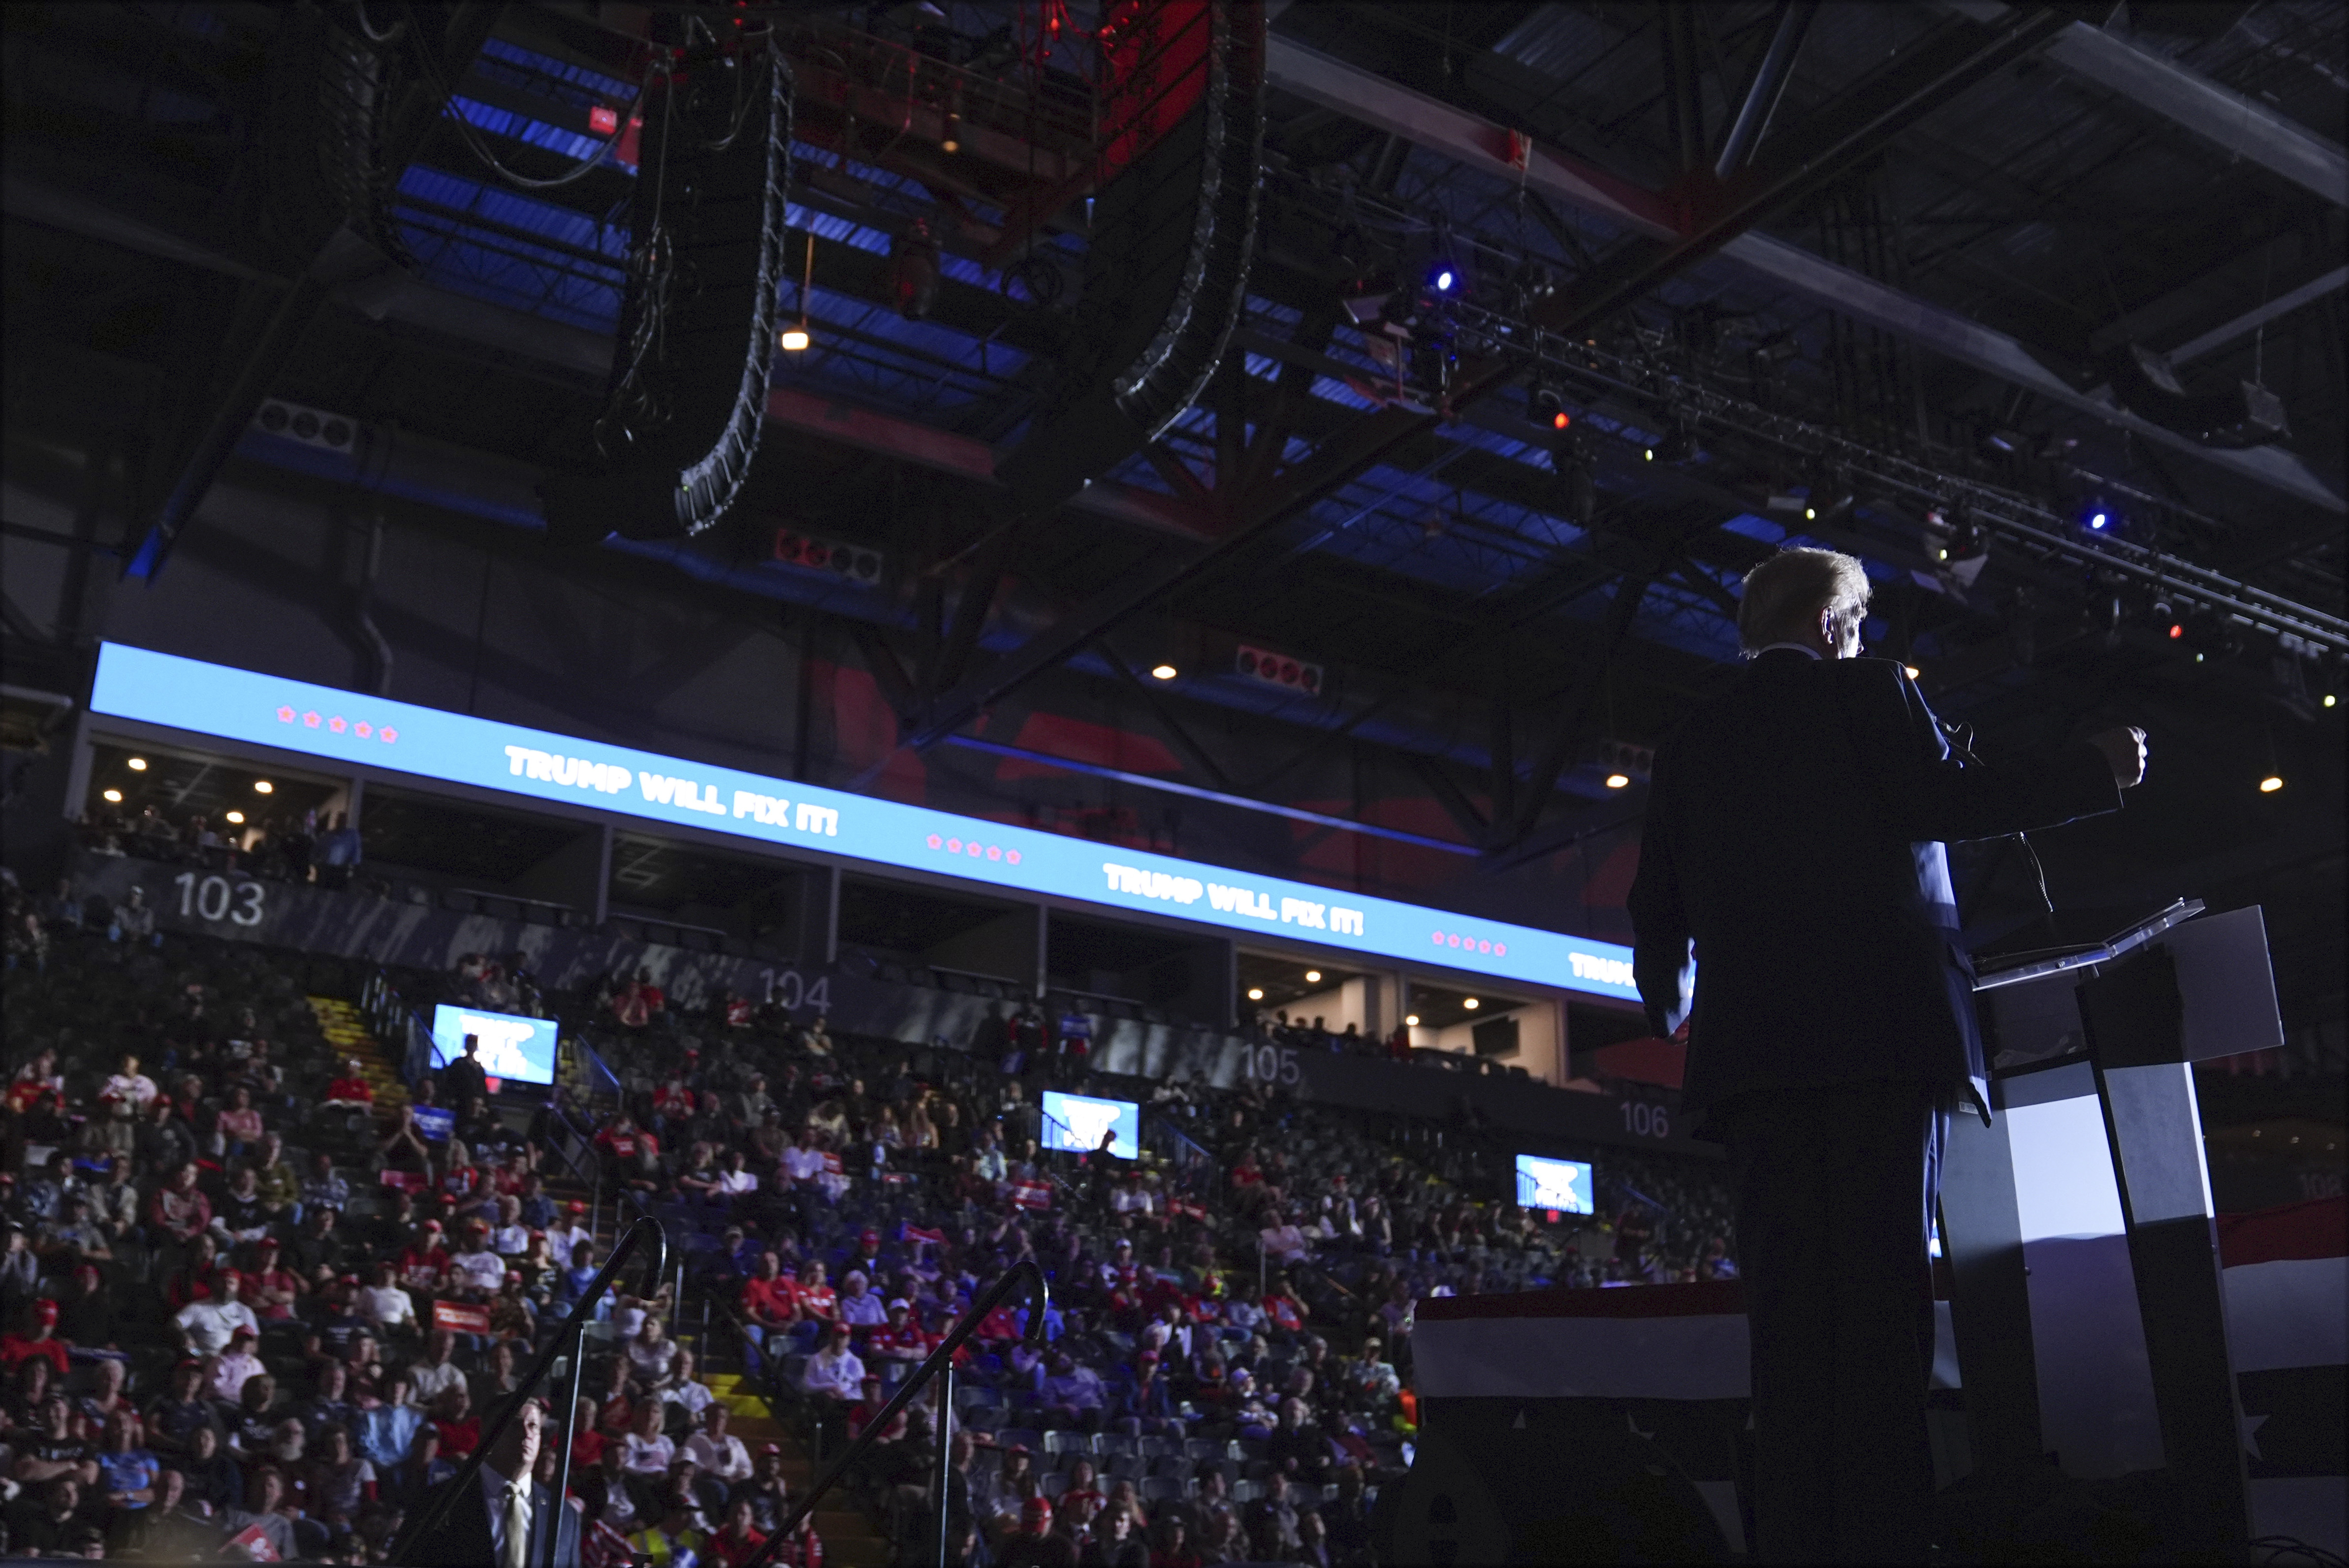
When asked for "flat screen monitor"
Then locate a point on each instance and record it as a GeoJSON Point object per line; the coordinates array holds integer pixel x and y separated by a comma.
{"type": "Point", "coordinates": [515, 1047]}
{"type": "Point", "coordinates": [1560, 1184]}
{"type": "Point", "coordinates": [1075, 1122]}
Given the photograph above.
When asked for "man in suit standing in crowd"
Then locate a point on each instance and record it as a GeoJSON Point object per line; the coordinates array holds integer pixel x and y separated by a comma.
{"type": "Point", "coordinates": [1795, 839]}
{"type": "Point", "coordinates": [498, 1518]}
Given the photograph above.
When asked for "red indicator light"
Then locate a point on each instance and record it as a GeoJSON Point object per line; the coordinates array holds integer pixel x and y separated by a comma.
{"type": "Point", "coordinates": [2177, 632]}
{"type": "Point", "coordinates": [603, 121]}
{"type": "Point", "coordinates": [1560, 420]}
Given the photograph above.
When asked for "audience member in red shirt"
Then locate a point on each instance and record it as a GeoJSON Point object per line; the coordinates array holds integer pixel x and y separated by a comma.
{"type": "Point", "coordinates": [351, 1088]}
{"type": "Point", "coordinates": [768, 1300]}
{"type": "Point", "coordinates": [815, 1299]}
{"type": "Point", "coordinates": [40, 1341]}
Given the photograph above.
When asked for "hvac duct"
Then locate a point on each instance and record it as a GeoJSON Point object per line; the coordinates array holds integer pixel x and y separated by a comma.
{"type": "Point", "coordinates": [1167, 264]}
{"type": "Point", "coordinates": [696, 332]}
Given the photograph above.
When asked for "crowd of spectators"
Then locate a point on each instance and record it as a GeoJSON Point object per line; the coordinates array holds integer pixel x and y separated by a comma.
{"type": "Point", "coordinates": [288, 846]}
{"type": "Point", "coordinates": [1223, 1372]}
{"type": "Point", "coordinates": [241, 1303]}
{"type": "Point", "coordinates": [1223, 1375]}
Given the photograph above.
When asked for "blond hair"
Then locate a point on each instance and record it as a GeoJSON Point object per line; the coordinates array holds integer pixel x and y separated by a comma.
{"type": "Point", "coordinates": [1784, 594]}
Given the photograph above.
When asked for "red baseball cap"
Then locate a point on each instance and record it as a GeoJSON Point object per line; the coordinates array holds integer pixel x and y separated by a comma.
{"type": "Point", "coordinates": [1035, 1507]}
{"type": "Point", "coordinates": [46, 1310]}
{"type": "Point", "coordinates": [577, 1207]}
{"type": "Point", "coordinates": [870, 1236]}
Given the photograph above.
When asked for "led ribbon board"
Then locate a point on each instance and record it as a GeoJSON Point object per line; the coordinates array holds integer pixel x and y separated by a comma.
{"type": "Point", "coordinates": [350, 727]}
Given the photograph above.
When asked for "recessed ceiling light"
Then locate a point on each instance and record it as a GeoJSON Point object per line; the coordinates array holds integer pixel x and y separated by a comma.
{"type": "Point", "coordinates": [1313, 977]}
{"type": "Point", "coordinates": [1412, 1020]}
{"type": "Point", "coordinates": [1911, 669]}
{"type": "Point", "coordinates": [794, 338]}
{"type": "Point", "coordinates": [1471, 1004]}
{"type": "Point", "coordinates": [236, 816]}
{"type": "Point", "coordinates": [138, 765]}
{"type": "Point", "coordinates": [263, 787]}
{"type": "Point", "coordinates": [115, 795]}
{"type": "Point", "coordinates": [1164, 672]}
{"type": "Point", "coordinates": [1255, 992]}
{"type": "Point", "coordinates": [1617, 781]}
{"type": "Point", "coordinates": [2271, 784]}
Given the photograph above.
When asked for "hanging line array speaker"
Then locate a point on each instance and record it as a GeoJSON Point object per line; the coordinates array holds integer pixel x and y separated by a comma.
{"type": "Point", "coordinates": [1165, 274]}
{"type": "Point", "coordinates": [697, 332]}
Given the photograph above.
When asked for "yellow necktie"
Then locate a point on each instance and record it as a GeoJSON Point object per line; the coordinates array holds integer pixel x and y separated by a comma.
{"type": "Point", "coordinates": [517, 1547]}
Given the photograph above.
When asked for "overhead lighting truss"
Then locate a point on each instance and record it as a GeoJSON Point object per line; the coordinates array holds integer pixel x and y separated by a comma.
{"type": "Point", "coordinates": [2017, 523]}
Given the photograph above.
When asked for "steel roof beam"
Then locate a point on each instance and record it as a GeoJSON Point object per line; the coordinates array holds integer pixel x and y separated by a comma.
{"type": "Point", "coordinates": [2252, 320]}
{"type": "Point", "coordinates": [2187, 98]}
{"type": "Point", "coordinates": [1915, 84]}
{"type": "Point", "coordinates": [1385, 105]}
{"type": "Point", "coordinates": [259, 356]}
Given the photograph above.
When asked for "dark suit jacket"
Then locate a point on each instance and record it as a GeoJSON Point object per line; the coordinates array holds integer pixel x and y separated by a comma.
{"type": "Point", "coordinates": [1795, 832]}
{"type": "Point", "coordinates": [461, 1539]}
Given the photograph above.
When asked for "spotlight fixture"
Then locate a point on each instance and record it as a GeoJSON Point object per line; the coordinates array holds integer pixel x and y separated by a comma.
{"type": "Point", "coordinates": [2271, 784]}
{"type": "Point", "coordinates": [1577, 487]}
{"type": "Point", "coordinates": [1164, 672]}
{"type": "Point", "coordinates": [263, 787]}
{"type": "Point", "coordinates": [1313, 977]}
{"type": "Point", "coordinates": [1470, 1003]}
{"type": "Point", "coordinates": [1830, 497]}
{"type": "Point", "coordinates": [115, 795]}
{"type": "Point", "coordinates": [2098, 520]}
{"type": "Point", "coordinates": [795, 337]}
{"type": "Point", "coordinates": [913, 271]}
{"type": "Point", "coordinates": [1677, 444]}
{"type": "Point", "coordinates": [2328, 700]}
{"type": "Point", "coordinates": [1966, 551]}
{"type": "Point", "coordinates": [1618, 780]}
{"type": "Point", "coordinates": [1545, 405]}
{"type": "Point", "coordinates": [1255, 992]}
{"type": "Point", "coordinates": [1441, 277]}
{"type": "Point", "coordinates": [138, 765]}
{"type": "Point", "coordinates": [234, 816]}
{"type": "Point", "coordinates": [952, 141]}
{"type": "Point", "coordinates": [1411, 1020]}
{"type": "Point", "coordinates": [1913, 671]}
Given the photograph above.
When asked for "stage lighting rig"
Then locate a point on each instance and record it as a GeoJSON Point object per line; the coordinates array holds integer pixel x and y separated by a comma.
{"type": "Point", "coordinates": [1575, 487]}
{"type": "Point", "coordinates": [913, 270]}
{"type": "Point", "coordinates": [1830, 494]}
{"type": "Point", "coordinates": [1958, 543]}
{"type": "Point", "coordinates": [1544, 404]}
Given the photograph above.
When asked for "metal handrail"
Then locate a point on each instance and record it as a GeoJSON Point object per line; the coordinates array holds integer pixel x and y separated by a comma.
{"type": "Point", "coordinates": [940, 1360]}
{"type": "Point", "coordinates": [574, 1328]}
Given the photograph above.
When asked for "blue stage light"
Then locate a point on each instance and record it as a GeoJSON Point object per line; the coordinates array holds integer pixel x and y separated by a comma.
{"type": "Point", "coordinates": [1443, 280]}
{"type": "Point", "coordinates": [2097, 520]}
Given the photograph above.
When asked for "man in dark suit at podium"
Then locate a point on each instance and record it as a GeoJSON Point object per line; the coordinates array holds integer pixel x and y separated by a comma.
{"type": "Point", "coordinates": [1794, 839]}
{"type": "Point", "coordinates": [500, 1520]}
